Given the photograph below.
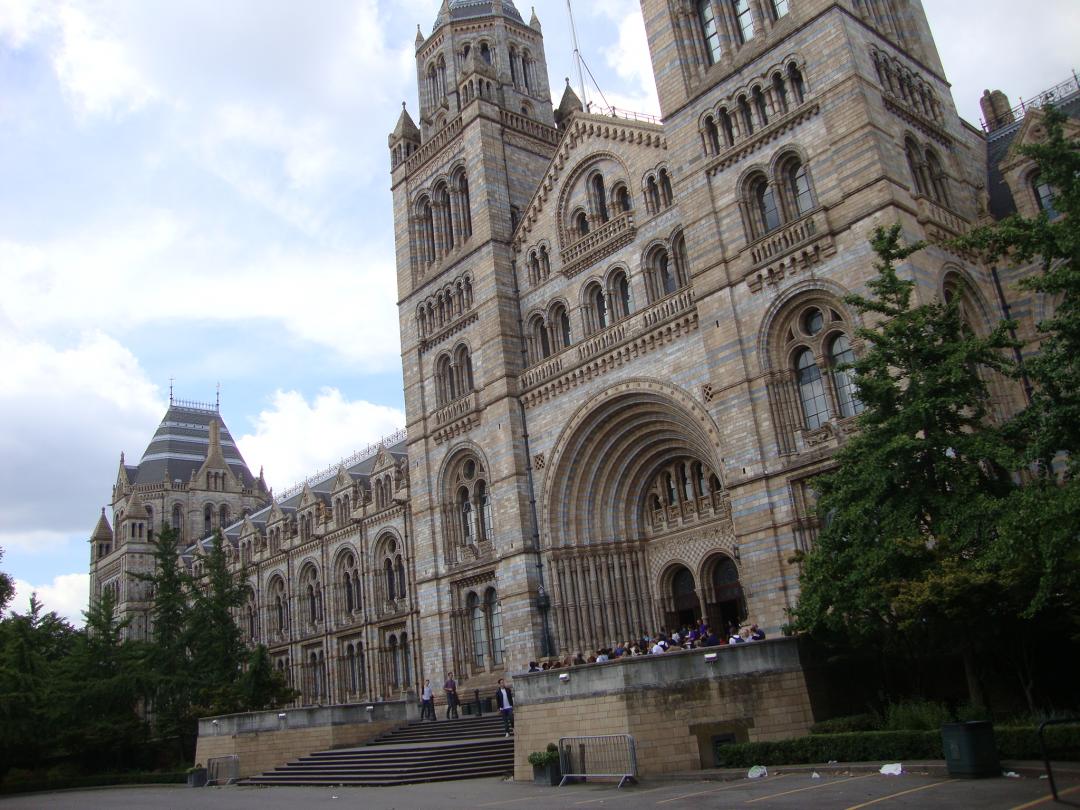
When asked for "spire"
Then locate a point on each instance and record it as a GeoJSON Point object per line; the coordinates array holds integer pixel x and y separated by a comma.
{"type": "Point", "coordinates": [569, 105]}
{"type": "Point", "coordinates": [419, 37]}
{"type": "Point", "coordinates": [405, 128]}
{"type": "Point", "coordinates": [102, 531]}
{"type": "Point", "coordinates": [135, 509]}
{"type": "Point", "coordinates": [534, 22]}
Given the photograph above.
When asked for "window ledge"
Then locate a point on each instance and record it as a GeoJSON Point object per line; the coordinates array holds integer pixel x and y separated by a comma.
{"type": "Point", "coordinates": [786, 251]}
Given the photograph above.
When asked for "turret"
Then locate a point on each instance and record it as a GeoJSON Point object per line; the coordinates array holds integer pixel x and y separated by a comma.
{"type": "Point", "coordinates": [404, 140]}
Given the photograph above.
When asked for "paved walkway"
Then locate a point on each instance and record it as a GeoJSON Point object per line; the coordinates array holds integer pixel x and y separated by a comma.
{"type": "Point", "coordinates": [782, 790]}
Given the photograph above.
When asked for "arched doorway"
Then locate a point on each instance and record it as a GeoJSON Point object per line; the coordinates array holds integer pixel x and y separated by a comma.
{"type": "Point", "coordinates": [725, 602]}
{"type": "Point", "coordinates": [685, 603]}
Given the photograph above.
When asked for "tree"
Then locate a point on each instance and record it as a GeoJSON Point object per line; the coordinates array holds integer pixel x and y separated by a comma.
{"type": "Point", "coordinates": [96, 692]}
{"type": "Point", "coordinates": [7, 587]}
{"type": "Point", "coordinates": [1038, 545]}
{"type": "Point", "coordinates": [261, 686]}
{"type": "Point", "coordinates": [915, 493]}
{"type": "Point", "coordinates": [171, 682]}
{"type": "Point", "coordinates": [217, 651]}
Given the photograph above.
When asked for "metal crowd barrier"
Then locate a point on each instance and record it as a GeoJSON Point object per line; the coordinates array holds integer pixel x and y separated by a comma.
{"type": "Point", "coordinates": [609, 757]}
{"type": "Point", "coordinates": [1046, 755]}
{"type": "Point", "coordinates": [222, 770]}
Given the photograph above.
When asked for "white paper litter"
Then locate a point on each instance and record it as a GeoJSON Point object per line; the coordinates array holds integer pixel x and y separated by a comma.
{"type": "Point", "coordinates": [757, 772]}
{"type": "Point", "coordinates": [1010, 774]}
{"type": "Point", "coordinates": [815, 775]}
{"type": "Point", "coordinates": [1044, 776]}
{"type": "Point", "coordinates": [832, 762]}
{"type": "Point", "coordinates": [892, 769]}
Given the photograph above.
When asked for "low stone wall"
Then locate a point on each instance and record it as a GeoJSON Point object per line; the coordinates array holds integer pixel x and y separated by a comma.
{"type": "Point", "coordinates": [265, 740]}
{"type": "Point", "coordinates": [674, 704]}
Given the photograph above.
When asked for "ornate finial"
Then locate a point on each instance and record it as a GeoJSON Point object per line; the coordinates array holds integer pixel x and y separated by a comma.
{"type": "Point", "coordinates": [171, 381]}
{"type": "Point", "coordinates": [217, 401]}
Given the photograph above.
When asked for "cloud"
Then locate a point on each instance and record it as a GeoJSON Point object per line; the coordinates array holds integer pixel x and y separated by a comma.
{"type": "Point", "coordinates": [294, 438]}
{"type": "Point", "coordinates": [68, 411]}
{"type": "Point", "coordinates": [95, 69]}
{"type": "Point", "coordinates": [629, 58]}
{"type": "Point", "coordinates": [311, 292]}
{"type": "Point", "coordinates": [68, 595]}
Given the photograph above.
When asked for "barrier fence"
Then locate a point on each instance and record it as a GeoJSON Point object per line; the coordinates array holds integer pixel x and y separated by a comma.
{"type": "Point", "coordinates": [222, 770]}
{"type": "Point", "coordinates": [612, 756]}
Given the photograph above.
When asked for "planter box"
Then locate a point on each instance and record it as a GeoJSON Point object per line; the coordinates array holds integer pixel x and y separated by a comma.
{"type": "Point", "coordinates": [549, 775]}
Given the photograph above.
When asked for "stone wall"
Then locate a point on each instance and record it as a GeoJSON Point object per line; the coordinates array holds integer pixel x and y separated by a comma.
{"type": "Point", "coordinates": [265, 740]}
{"type": "Point", "coordinates": [672, 704]}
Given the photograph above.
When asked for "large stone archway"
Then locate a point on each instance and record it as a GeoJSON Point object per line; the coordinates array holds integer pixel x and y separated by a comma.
{"type": "Point", "coordinates": [634, 486]}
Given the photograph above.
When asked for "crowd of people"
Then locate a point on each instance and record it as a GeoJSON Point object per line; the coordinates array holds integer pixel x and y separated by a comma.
{"type": "Point", "coordinates": [687, 637]}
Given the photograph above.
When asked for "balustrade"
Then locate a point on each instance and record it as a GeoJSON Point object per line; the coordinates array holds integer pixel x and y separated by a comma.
{"type": "Point", "coordinates": [785, 240]}
{"type": "Point", "coordinates": [598, 243]}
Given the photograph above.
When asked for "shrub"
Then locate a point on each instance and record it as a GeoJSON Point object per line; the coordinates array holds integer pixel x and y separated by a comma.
{"type": "Point", "coordinates": [916, 715]}
{"type": "Point", "coordinates": [1062, 742]}
{"type": "Point", "coordinates": [843, 725]}
{"type": "Point", "coordinates": [544, 758]}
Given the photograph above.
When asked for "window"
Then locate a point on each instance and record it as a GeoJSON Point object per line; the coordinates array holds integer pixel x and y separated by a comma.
{"type": "Point", "coordinates": [599, 307]}
{"type": "Point", "coordinates": [746, 118]}
{"type": "Point", "coordinates": [712, 137]}
{"type": "Point", "coordinates": [541, 343]}
{"type": "Point", "coordinates": [621, 196]}
{"type": "Point", "coordinates": [600, 198]}
{"type": "Point", "coordinates": [840, 354]}
{"type": "Point", "coordinates": [560, 321]}
{"type": "Point", "coordinates": [744, 20]}
{"type": "Point", "coordinates": [666, 194]}
{"type": "Point", "coordinates": [652, 195]}
{"type": "Point", "coordinates": [208, 519]}
{"type": "Point", "coordinates": [494, 611]}
{"type": "Point", "coordinates": [465, 509]}
{"type": "Point", "coordinates": [388, 570]}
{"type": "Point", "coordinates": [464, 205]}
{"type": "Point", "coordinates": [811, 390]}
{"type": "Point", "coordinates": [1044, 197]}
{"type": "Point", "coordinates": [483, 504]}
{"type": "Point", "coordinates": [727, 127]}
{"type": "Point", "coordinates": [914, 162]}
{"type": "Point", "coordinates": [479, 638]}
{"type": "Point", "coordinates": [779, 8]}
{"type": "Point", "coordinates": [759, 105]}
{"type": "Point", "coordinates": [798, 187]}
{"type": "Point", "coordinates": [177, 521]}
{"type": "Point", "coordinates": [406, 662]}
{"type": "Point", "coordinates": [402, 591]}
{"type": "Point", "coordinates": [707, 19]}
{"type": "Point", "coordinates": [779, 92]}
{"type": "Point", "coordinates": [620, 295]}
{"type": "Point", "coordinates": [223, 515]}
{"type": "Point", "coordinates": [395, 662]}
{"type": "Point", "coordinates": [581, 223]}
{"type": "Point", "coordinates": [766, 214]}
{"type": "Point", "coordinates": [796, 83]}
{"type": "Point", "coordinates": [939, 186]}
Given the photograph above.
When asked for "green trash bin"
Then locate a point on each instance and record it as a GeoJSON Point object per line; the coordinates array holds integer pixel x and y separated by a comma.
{"type": "Point", "coordinates": [970, 750]}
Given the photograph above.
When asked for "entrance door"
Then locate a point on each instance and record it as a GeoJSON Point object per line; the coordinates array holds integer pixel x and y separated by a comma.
{"type": "Point", "coordinates": [729, 606]}
{"type": "Point", "coordinates": [687, 607]}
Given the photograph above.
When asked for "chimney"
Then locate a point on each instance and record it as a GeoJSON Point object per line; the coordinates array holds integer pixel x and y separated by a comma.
{"type": "Point", "coordinates": [996, 109]}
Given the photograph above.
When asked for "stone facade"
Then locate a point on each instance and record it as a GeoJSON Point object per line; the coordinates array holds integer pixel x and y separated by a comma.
{"type": "Point", "coordinates": [620, 341]}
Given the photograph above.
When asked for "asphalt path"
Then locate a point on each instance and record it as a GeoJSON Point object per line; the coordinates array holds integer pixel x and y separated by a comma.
{"type": "Point", "coordinates": [787, 790]}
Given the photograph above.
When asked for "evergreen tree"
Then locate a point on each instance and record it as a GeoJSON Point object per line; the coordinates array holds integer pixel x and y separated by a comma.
{"type": "Point", "coordinates": [217, 651]}
{"type": "Point", "coordinates": [914, 495]}
{"type": "Point", "coordinates": [7, 587]}
{"type": "Point", "coordinates": [1038, 546]}
{"type": "Point", "coordinates": [95, 695]}
{"type": "Point", "coordinates": [261, 686]}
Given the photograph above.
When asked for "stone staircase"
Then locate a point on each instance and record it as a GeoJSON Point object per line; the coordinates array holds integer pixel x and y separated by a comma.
{"type": "Point", "coordinates": [419, 752]}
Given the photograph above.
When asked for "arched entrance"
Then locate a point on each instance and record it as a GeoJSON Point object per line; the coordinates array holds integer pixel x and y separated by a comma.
{"type": "Point", "coordinates": [687, 606]}
{"type": "Point", "coordinates": [725, 602]}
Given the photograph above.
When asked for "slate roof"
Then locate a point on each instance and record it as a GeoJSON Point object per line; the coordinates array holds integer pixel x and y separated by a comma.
{"type": "Point", "coordinates": [998, 143]}
{"type": "Point", "coordinates": [468, 9]}
{"type": "Point", "coordinates": [180, 446]}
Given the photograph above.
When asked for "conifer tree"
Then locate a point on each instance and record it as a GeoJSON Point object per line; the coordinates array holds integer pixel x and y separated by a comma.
{"type": "Point", "coordinates": [917, 491]}
{"type": "Point", "coordinates": [1038, 546]}
{"type": "Point", "coordinates": [7, 587]}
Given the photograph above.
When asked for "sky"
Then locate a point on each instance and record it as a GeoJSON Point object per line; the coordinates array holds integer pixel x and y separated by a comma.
{"type": "Point", "coordinates": [196, 193]}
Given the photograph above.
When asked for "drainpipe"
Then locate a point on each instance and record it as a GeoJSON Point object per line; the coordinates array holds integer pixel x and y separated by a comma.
{"type": "Point", "coordinates": [1017, 355]}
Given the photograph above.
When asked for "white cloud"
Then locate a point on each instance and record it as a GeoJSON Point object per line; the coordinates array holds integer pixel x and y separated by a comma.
{"type": "Point", "coordinates": [68, 595]}
{"type": "Point", "coordinates": [338, 300]}
{"type": "Point", "coordinates": [295, 438]}
{"type": "Point", "coordinates": [67, 411]}
{"type": "Point", "coordinates": [630, 60]}
{"type": "Point", "coordinates": [95, 68]}
{"type": "Point", "coordinates": [20, 20]}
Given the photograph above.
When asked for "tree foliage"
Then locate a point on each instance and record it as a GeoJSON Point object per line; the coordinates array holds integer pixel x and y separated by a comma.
{"type": "Point", "coordinates": [7, 587]}
{"type": "Point", "coordinates": [918, 488]}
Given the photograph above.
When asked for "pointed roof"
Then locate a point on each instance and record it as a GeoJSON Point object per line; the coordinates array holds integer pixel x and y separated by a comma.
{"type": "Point", "coordinates": [420, 40]}
{"type": "Point", "coordinates": [102, 531]}
{"type": "Point", "coordinates": [534, 21]}
{"type": "Point", "coordinates": [569, 105]}
{"type": "Point", "coordinates": [181, 445]}
{"type": "Point", "coordinates": [405, 128]}
{"type": "Point", "coordinates": [135, 509]}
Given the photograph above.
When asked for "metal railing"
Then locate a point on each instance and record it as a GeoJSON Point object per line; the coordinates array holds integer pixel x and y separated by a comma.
{"type": "Point", "coordinates": [612, 756]}
{"type": "Point", "coordinates": [1045, 755]}
{"type": "Point", "coordinates": [222, 770]}
{"type": "Point", "coordinates": [1054, 95]}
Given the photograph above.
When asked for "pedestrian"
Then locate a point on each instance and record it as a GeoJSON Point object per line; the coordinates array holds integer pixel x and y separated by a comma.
{"type": "Point", "coordinates": [450, 688]}
{"type": "Point", "coordinates": [504, 699]}
{"type": "Point", "coordinates": [427, 703]}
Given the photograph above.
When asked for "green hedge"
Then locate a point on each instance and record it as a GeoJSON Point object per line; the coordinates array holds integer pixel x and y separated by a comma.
{"type": "Point", "coordinates": [34, 782]}
{"type": "Point", "coordinates": [892, 746]}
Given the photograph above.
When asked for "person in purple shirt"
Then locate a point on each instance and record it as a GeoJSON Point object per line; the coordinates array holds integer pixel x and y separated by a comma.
{"type": "Point", "coordinates": [450, 688]}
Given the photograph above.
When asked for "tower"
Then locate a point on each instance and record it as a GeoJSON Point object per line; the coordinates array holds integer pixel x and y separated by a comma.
{"type": "Point", "coordinates": [191, 478]}
{"type": "Point", "coordinates": [460, 180]}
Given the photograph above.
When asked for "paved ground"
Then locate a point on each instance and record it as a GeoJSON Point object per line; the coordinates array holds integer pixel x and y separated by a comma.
{"type": "Point", "coordinates": [788, 790]}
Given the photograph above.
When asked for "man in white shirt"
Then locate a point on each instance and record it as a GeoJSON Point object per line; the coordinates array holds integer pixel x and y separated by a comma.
{"type": "Point", "coordinates": [504, 699]}
{"type": "Point", "coordinates": [427, 702]}
{"type": "Point", "coordinates": [657, 648]}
